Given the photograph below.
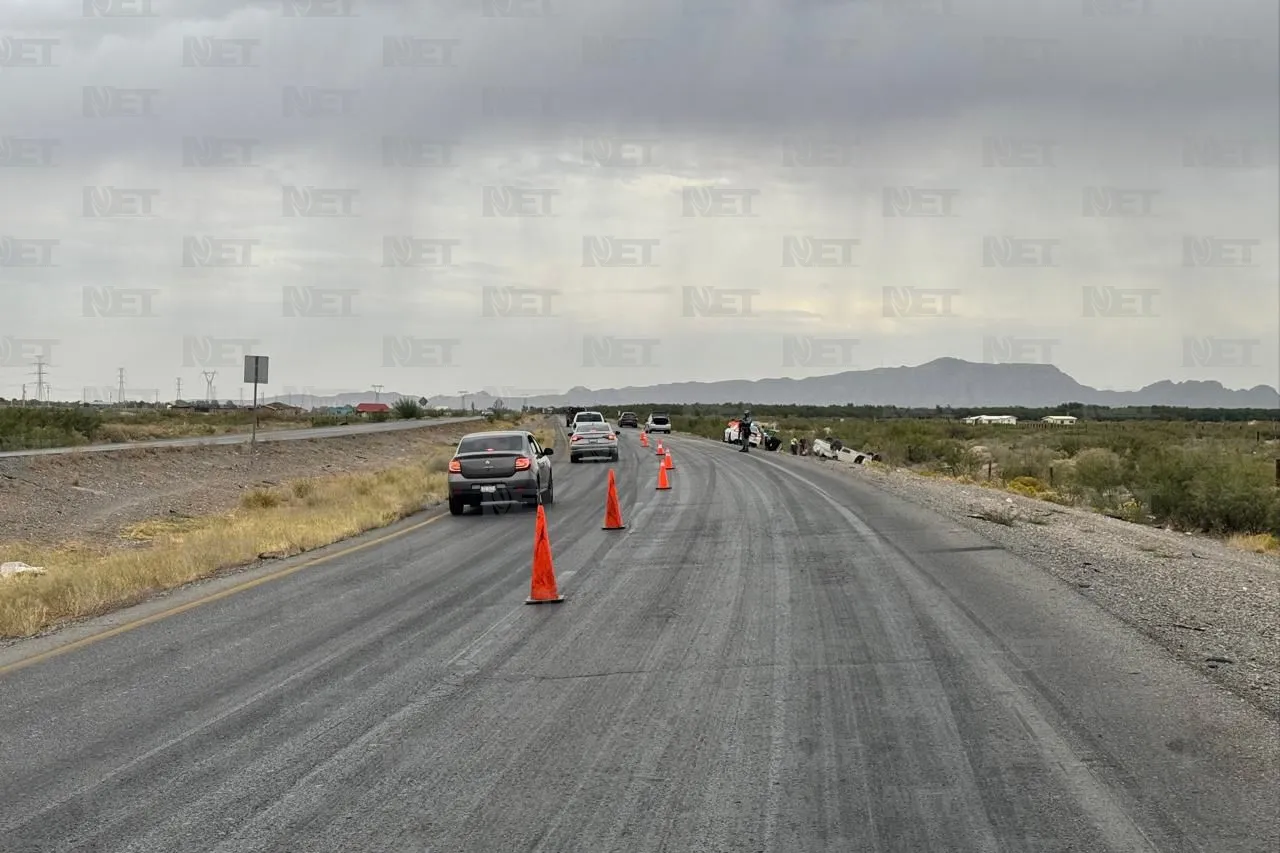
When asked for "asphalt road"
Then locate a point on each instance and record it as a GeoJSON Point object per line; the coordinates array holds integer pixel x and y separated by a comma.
{"type": "Point", "coordinates": [770, 658]}
{"type": "Point", "coordinates": [243, 438]}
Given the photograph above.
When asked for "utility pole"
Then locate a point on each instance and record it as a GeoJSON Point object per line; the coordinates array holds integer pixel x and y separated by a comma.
{"type": "Point", "coordinates": [377, 393]}
{"type": "Point", "coordinates": [179, 395]}
{"type": "Point", "coordinates": [209, 376]}
{"type": "Point", "coordinates": [120, 379]}
{"type": "Point", "coordinates": [40, 385]}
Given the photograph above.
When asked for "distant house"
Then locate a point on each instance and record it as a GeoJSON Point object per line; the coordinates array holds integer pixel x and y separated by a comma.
{"type": "Point", "coordinates": [372, 409]}
{"type": "Point", "coordinates": [282, 408]}
{"type": "Point", "coordinates": [1059, 419]}
{"type": "Point", "coordinates": [991, 419]}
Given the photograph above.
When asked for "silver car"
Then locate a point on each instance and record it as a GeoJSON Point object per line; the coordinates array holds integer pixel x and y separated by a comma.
{"type": "Point", "coordinates": [593, 440]}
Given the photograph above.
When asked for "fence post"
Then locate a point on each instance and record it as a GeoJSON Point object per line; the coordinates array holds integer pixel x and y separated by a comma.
{"type": "Point", "coordinates": [1050, 475]}
{"type": "Point", "coordinates": [989, 468]}
{"type": "Point", "coordinates": [1278, 471]}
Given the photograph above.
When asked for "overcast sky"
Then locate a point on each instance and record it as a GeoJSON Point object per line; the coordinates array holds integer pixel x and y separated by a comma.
{"type": "Point", "coordinates": [528, 195]}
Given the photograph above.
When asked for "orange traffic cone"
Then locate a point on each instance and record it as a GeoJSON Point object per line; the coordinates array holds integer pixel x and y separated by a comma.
{"type": "Point", "coordinates": [644, 439]}
{"type": "Point", "coordinates": [543, 589]}
{"type": "Point", "coordinates": [663, 483]}
{"type": "Point", "coordinates": [666, 461]}
{"type": "Point", "coordinates": [612, 510]}
{"type": "Point", "coordinates": [659, 450]}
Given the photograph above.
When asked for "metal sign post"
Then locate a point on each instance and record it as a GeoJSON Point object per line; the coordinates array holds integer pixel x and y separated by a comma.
{"type": "Point", "coordinates": [255, 372]}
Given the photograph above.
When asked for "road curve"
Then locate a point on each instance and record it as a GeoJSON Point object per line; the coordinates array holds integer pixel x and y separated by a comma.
{"type": "Point", "coordinates": [771, 657]}
{"type": "Point", "coordinates": [243, 438]}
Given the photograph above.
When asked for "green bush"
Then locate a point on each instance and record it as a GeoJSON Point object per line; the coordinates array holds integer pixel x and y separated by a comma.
{"type": "Point", "coordinates": [408, 409]}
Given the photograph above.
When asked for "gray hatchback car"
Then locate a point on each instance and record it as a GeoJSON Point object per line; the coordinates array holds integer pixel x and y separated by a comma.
{"type": "Point", "coordinates": [499, 468]}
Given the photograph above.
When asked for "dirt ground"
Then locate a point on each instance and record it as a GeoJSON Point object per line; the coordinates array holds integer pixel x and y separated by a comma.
{"type": "Point", "coordinates": [92, 497]}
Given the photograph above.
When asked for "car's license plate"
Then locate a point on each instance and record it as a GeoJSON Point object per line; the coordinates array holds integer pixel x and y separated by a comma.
{"type": "Point", "coordinates": [488, 488]}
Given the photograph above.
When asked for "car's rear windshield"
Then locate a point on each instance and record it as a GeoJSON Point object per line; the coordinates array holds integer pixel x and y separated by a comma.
{"type": "Point", "coordinates": [592, 426]}
{"type": "Point", "coordinates": [659, 419]}
{"type": "Point", "coordinates": [485, 443]}
{"type": "Point", "coordinates": [590, 416]}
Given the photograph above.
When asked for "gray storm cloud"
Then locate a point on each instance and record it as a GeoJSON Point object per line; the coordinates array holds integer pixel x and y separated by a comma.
{"type": "Point", "coordinates": [1037, 150]}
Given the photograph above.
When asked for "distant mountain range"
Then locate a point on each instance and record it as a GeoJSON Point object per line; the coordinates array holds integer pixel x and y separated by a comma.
{"type": "Point", "coordinates": [943, 382]}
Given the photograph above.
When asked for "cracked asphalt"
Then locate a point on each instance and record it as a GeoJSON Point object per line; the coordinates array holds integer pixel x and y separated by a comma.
{"type": "Point", "coordinates": [770, 657]}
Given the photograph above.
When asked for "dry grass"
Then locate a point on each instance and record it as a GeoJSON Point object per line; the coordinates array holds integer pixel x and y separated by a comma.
{"type": "Point", "coordinates": [123, 433]}
{"type": "Point", "coordinates": [1258, 543]}
{"type": "Point", "coordinates": [278, 521]}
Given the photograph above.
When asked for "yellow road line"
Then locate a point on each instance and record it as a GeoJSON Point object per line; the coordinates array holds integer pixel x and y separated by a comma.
{"type": "Point", "coordinates": [212, 597]}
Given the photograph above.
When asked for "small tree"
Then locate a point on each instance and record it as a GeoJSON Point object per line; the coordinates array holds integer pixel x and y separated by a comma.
{"type": "Point", "coordinates": [408, 409]}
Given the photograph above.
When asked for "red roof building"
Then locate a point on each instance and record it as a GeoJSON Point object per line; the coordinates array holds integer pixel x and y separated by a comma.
{"type": "Point", "coordinates": [368, 408]}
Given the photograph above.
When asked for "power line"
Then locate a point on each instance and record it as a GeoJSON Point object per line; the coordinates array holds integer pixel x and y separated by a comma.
{"type": "Point", "coordinates": [209, 376]}
{"type": "Point", "coordinates": [377, 393]}
{"type": "Point", "coordinates": [120, 379]}
{"type": "Point", "coordinates": [179, 396]}
{"type": "Point", "coordinates": [40, 383]}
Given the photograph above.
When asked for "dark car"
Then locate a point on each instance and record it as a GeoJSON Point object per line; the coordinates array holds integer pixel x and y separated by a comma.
{"type": "Point", "coordinates": [499, 468]}
{"type": "Point", "coordinates": [628, 419]}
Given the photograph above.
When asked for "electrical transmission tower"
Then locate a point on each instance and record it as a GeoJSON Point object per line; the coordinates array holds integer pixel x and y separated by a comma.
{"type": "Point", "coordinates": [377, 393]}
{"type": "Point", "coordinates": [40, 383]}
{"type": "Point", "coordinates": [120, 382]}
{"type": "Point", "coordinates": [209, 376]}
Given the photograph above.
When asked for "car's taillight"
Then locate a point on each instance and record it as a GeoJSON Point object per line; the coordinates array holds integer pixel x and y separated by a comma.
{"type": "Point", "coordinates": [574, 437]}
{"type": "Point", "coordinates": [522, 462]}
{"type": "Point", "coordinates": [455, 467]}
{"type": "Point", "coordinates": [612, 437]}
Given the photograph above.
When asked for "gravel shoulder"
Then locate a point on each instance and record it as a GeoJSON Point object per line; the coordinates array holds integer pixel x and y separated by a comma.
{"type": "Point", "coordinates": [91, 498]}
{"type": "Point", "coordinates": [1212, 606]}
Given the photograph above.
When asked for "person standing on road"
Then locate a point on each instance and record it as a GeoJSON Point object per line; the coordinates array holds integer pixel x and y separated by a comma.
{"type": "Point", "coordinates": [744, 432]}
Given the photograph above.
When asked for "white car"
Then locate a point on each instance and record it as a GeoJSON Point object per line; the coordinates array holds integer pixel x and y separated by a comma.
{"type": "Point", "coordinates": [658, 423]}
{"type": "Point", "coordinates": [732, 436]}
{"type": "Point", "coordinates": [589, 417]}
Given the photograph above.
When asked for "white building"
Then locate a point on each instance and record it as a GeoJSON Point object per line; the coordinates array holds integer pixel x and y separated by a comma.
{"type": "Point", "coordinates": [1059, 419]}
{"type": "Point", "coordinates": [991, 419]}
